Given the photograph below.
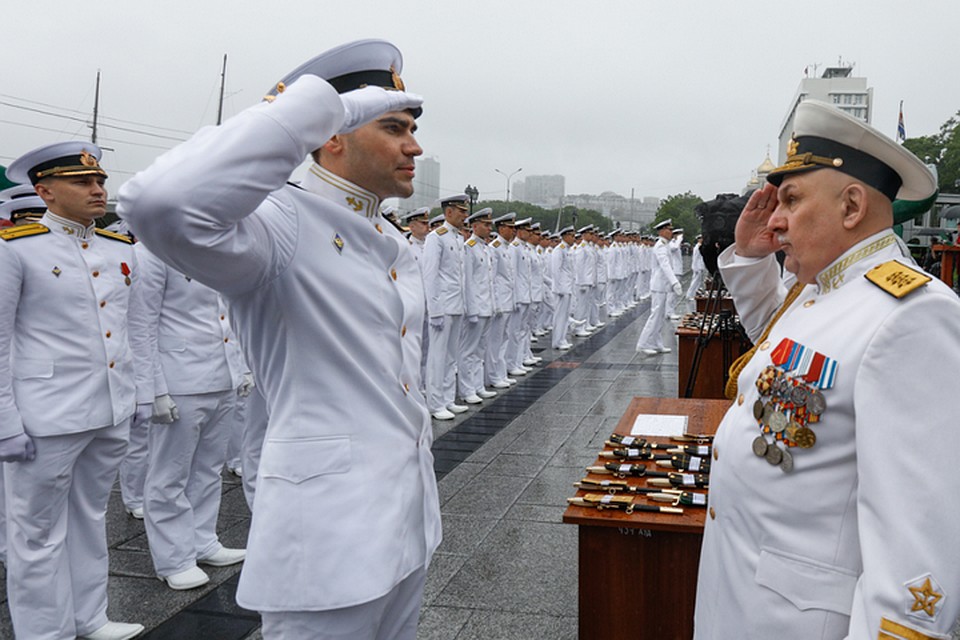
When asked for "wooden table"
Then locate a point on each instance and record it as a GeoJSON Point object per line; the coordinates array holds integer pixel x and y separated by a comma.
{"type": "Point", "coordinates": [638, 572]}
{"type": "Point", "coordinates": [949, 261]}
{"type": "Point", "coordinates": [711, 374]}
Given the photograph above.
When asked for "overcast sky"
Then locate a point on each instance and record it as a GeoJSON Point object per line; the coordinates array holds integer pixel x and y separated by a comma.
{"type": "Point", "coordinates": [658, 97]}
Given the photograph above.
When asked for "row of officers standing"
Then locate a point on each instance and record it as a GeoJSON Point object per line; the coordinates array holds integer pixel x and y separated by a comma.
{"type": "Point", "coordinates": [111, 362]}
{"type": "Point", "coordinates": [493, 286]}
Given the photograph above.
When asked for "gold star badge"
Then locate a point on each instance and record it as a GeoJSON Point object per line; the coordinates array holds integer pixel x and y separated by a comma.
{"type": "Point", "coordinates": [925, 597]}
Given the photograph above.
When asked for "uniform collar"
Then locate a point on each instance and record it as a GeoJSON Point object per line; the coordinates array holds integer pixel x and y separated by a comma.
{"type": "Point", "coordinates": [854, 261]}
{"type": "Point", "coordinates": [450, 227]}
{"type": "Point", "coordinates": [331, 186]}
{"type": "Point", "coordinates": [66, 227]}
{"type": "Point", "coordinates": [415, 240]}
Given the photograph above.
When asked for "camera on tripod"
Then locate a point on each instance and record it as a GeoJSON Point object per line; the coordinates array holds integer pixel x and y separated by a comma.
{"type": "Point", "coordinates": [718, 224]}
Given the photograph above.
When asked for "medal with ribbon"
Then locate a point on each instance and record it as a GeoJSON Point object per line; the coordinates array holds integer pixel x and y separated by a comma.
{"type": "Point", "coordinates": [791, 400]}
{"type": "Point", "coordinates": [125, 270]}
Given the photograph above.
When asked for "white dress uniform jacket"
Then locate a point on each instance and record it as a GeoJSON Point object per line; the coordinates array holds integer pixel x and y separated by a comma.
{"type": "Point", "coordinates": [327, 302]}
{"type": "Point", "coordinates": [442, 265]}
{"type": "Point", "coordinates": [861, 534]}
{"type": "Point", "coordinates": [503, 270]}
{"type": "Point", "coordinates": [662, 275]}
{"type": "Point", "coordinates": [561, 267]}
{"type": "Point", "coordinates": [478, 278]}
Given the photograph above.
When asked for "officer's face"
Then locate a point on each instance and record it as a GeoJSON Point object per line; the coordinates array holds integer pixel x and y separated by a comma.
{"type": "Point", "coordinates": [379, 156]}
{"type": "Point", "coordinates": [79, 198]}
{"type": "Point", "coordinates": [455, 216]}
{"type": "Point", "coordinates": [419, 229]}
{"type": "Point", "coordinates": [808, 221]}
{"type": "Point", "coordinates": [482, 229]}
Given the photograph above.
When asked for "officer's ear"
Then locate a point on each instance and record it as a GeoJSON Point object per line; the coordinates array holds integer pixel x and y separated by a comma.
{"type": "Point", "coordinates": [333, 146]}
{"type": "Point", "coordinates": [854, 199]}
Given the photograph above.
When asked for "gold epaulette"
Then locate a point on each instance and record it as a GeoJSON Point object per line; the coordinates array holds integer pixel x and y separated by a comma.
{"type": "Point", "coordinates": [496, 243]}
{"type": "Point", "coordinates": [897, 279]}
{"type": "Point", "coordinates": [14, 233]}
{"type": "Point", "coordinates": [471, 242]}
{"type": "Point", "coordinates": [441, 230]}
{"type": "Point", "coordinates": [113, 236]}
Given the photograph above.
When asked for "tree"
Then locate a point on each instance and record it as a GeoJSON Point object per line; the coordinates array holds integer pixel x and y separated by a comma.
{"type": "Point", "coordinates": [679, 208]}
{"type": "Point", "coordinates": [942, 150]}
{"type": "Point", "coordinates": [548, 217]}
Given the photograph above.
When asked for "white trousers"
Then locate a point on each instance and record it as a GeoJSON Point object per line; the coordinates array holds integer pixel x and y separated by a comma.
{"type": "Point", "coordinates": [643, 285]}
{"type": "Point", "coordinates": [390, 617]}
{"type": "Point", "coordinates": [442, 364]}
{"type": "Point", "coordinates": [236, 424]}
{"type": "Point", "coordinates": [473, 342]}
{"type": "Point", "coordinates": [651, 337]}
{"type": "Point", "coordinates": [696, 281]}
{"type": "Point", "coordinates": [183, 487]}
{"type": "Point", "coordinates": [516, 328]}
{"type": "Point", "coordinates": [133, 468]}
{"type": "Point", "coordinates": [56, 533]}
{"type": "Point", "coordinates": [582, 295]}
{"type": "Point", "coordinates": [598, 305]}
{"type": "Point", "coordinates": [494, 360]}
{"type": "Point", "coordinates": [561, 320]}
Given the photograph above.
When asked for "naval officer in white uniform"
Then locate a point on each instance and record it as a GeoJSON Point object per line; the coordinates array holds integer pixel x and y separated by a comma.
{"type": "Point", "coordinates": [67, 395]}
{"type": "Point", "coordinates": [478, 295]}
{"type": "Point", "coordinates": [663, 280]}
{"type": "Point", "coordinates": [831, 515]}
{"type": "Point", "coordinates": [326, 299]}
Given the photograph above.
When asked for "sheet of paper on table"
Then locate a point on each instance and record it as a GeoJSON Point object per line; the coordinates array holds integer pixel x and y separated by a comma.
{"type": "Point", "coordinates": [648, 424]}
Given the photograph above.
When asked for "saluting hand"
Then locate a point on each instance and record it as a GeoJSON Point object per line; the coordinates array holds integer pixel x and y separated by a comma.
{"type": "Point", "coordinates": [367, 104]}
{"type": "Point", "coordinates": [753, 238]}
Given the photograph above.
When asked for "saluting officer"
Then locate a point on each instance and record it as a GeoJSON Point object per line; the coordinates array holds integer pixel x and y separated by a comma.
{"type": "Point", "coordinates": [327, 302]}
{"type": "Point", "coordinates": [67, 394]}
{"type": "Point", "coordinates": [442, 266]}
{"type": "Point", "coordinates": [662, 281]}
{"type": "Point", "coordinates": [478, 292]}
{"type": "Point", "coordinates": [831, 510]}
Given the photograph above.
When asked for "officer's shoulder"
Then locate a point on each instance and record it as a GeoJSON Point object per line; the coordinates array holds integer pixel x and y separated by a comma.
{"type": "Point", "coordinates": [496, 243]}
{"type": "Point", "coordinates": [471, 242]}
{"type": "Point", "coordinates": [110, 235]}
{"type": "Point", "coordinates": [897, 278]}
{"type": "Point", "coordinates": [23, 231]}
{"type": "Point", "coordinates": [441, 230]}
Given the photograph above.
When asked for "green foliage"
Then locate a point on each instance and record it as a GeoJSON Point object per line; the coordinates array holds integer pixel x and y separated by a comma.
{"type": "Point", "coordinates": [943, 150]}
{"type": "Point", "coordinates": [548, 217]}
{"type": "Point", "coordinates": [679, 208]}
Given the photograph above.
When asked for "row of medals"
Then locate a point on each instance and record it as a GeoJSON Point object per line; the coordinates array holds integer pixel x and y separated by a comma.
{"type": "Point", "coordinates": [785, 410]}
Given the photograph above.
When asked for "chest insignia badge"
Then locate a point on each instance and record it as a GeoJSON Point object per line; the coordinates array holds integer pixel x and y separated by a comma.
{"type": "Point", "coordinates": [338, 242]}
{"type": "Point", "coordinates": [125, 270]}
{"type": "Point", "coordinates": [56, 271]}
{"type": "Point", "coordinates": [925, 597]}
{"type": "Point", "coordinates": [355, 204]}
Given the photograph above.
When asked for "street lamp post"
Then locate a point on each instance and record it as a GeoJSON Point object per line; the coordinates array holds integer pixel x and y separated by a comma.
{"type": "Point", "coordinates": [473, 193]}
{"type": "Point", "coordinates": [508, 176]}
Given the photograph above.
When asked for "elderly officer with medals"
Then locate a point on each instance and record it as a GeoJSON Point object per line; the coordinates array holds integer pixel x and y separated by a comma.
{"type": "Point", "coordinates": [326, 299]}
{"type": "Point", "coordinates": [829, 509]}
{"type": "Point", "coordinates": [442, 267]}
{"type": "Point", "coordinates": [478, 293]}
{"type": "Point", "coordinates": [663, 280]}
{"type": "Point", "coordinates": [67, 395]}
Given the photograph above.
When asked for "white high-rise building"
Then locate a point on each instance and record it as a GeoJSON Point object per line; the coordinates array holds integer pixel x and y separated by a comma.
{"type": "Point", "coordinates": [544, 191]}
{"type": "Point", "coordinates": [837, 86]}
{"type": "Point", "coordinates": [426, 185]}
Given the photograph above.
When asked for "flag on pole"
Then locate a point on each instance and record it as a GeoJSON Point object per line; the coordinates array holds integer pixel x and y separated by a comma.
{"type": "Point", "coordinates": [901, 130]}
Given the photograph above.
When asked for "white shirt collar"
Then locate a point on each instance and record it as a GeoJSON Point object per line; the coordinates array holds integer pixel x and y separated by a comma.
{"type": "Point", "coordinates": [67, 227]}
{"type": "Point", "coordinates": [331, 186]}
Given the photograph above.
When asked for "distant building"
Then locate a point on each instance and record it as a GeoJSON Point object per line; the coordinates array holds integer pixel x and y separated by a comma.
{"type": "Point", "coordinates": [837, 86]}
{"type": "Point", "coordinates": [759, 175]}
{"type": "Point", "coordinates": [543, 191]}
{"type": "Point", "coordinates": [426, 185]}
{"type": "Point", "coordinates": [632, 214]}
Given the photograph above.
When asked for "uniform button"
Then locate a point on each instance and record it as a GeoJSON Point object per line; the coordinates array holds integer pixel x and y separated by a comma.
{"type": "Point", "coordinates": [740, 399]}
{"type": "Point", "coordinates": [108, 334]}
{"type": "Point", "coordinates": [226, 339]}
{"type": "Point", "coordinates": [808, 303]}
{"type": "Point", "coordinates": [716, 454]}
{"type": "Point", "coordinates": [84, 245]}
{"type": "Point", "coordinates": [223, 317]}
{"type": "Point", "coordinates": [713, 514]}
{"type": "Point", "coordinates": [403, 331]}
{"type": "Point", "coordinates": [103, 303]}
{"type": "Point", "coordinates": [406, 388]}
{"type": "Point", "coordinates": [393, 273]}
{"type": "Point", "coordinates": [378, 227]}
{"type": "Point", "coordinates": [96, 274]}
{"type": "Point", "coordinates": [111, 364]}
{"type": "Point", "coordinates": [765, 345]}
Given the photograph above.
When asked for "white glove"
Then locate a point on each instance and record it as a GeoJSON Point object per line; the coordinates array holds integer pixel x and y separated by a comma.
{"type": "Point", "coordinates": [165, 410]}
{"type": "Point", "coordinates": [17, 448]}
{"type": "Point", "coordinates": [473, 319]}
{"type": "Point", "coordinates": [246, 385]}
{"type": "Point", "coordinates": [677, 289]}
{"type": "Point", "coordinates": [436, 322]}
{"type": "Point", "coordinates": [364, 105]}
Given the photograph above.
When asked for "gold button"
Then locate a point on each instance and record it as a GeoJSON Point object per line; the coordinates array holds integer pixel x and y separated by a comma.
{"type": "Point", "coordinates": [108, 334]}
{"type": "Point", "coordinates": [765, 345]}
{"type": "Point", "coordinates": [226, 339]}
{"type": "Point", "coordinates": [103, 303]}
{"type": "Point", "coordinates": [406, 388]}
{"type": "Point", "coordinates": [84, 245]}
{"type": "Point", "coordinates": [379, 228]}
{"type": "Point", "coordinates": [393, 273]}
{"type": "Point", "coordinates": [223, 317]}
{"type": "Point", "coordinates": [96, 274]}
{"type": "Point", "coordinates": [808, 303]}
{"type": "Point", "coordinates": [716, 456]}
{"type": "Point", "coordinates": [403, 331]}
{"type": "Point", "coordinates": [740, 399]}
{"type": "Point", "coordinates": [111, 364]}
{"type": "Point", "coordinates": [713, 514]}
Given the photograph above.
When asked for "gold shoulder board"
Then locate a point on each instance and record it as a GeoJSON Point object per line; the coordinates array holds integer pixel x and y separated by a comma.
{"type": "Point", "coordinates": [496, 243]}
{"type": "Point", "coordinates": [896, 278]}
{"type": "Point", "coordinates": [471, 241]}
{"type": "Point", "coordinates": [14, 233]}
{"type": "Point", "coordinates": [441, 230]}
{"type": "Point", "coordinates": [113, 236]}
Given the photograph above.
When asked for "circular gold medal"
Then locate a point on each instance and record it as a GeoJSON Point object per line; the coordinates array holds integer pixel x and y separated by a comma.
{"type": "Point", "coordinates": [805, 437]}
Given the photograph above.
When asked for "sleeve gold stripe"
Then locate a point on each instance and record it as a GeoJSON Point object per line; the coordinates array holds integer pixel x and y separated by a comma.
{"type": "Point", "coordinates": [902, 632]}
